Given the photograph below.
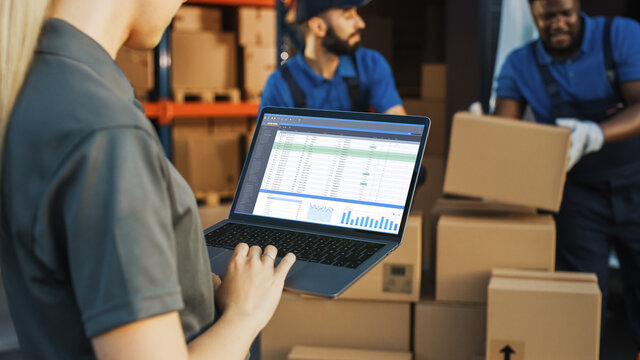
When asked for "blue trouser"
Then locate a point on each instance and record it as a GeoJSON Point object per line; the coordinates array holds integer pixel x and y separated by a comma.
{"type": "Point", "coordinates": [591, 223]}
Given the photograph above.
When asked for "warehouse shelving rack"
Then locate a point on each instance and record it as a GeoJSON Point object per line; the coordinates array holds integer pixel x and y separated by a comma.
{"type": "Point", "coordinates": [165, 110]}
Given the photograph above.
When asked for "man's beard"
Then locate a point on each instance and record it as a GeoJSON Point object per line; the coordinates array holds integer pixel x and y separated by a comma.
{"type": "Point", "coordinates": [567, 51]}
{"type": "Point", "coordinates": [334, 44]}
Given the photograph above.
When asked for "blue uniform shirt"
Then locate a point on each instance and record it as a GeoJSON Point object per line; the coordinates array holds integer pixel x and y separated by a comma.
{"type": "Point", "coordinates": [580, 78]}
{"type": "Point", "coordinates": [377, 87]}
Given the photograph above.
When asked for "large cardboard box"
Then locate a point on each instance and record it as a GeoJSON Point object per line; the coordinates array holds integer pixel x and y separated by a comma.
{"type": "Point", "coordinates": [208, 162]}
{"type": "Point", "coordinates": [439, 130]}
{"type": "Point", "coordinates": [311, 321]}
{"type": "Point", "coordinates": [396, 277]}
{"type": "Point", "coordinates": [197, 18]}
{"type": "Point", "coordinates": [138, 66]}
{"type": "Point", "coordinates": [326, 353]}
{"type": "Point", "coordinates": [259, 63]}
{"type": "Point", "coordinates": [434, 81]}
{"type": "Point", "coordinates": [543, 315]}
{"type": "Point", "coordinates": [257, 26]}
{"type": "Point", "coordinates": [449, 331]}
{"type": "Point", "coordinates": [514, 162]}
{"type": "Point", "coordinates": [468, 247]}
{"type": "Point", "coordinates": [203, 60]}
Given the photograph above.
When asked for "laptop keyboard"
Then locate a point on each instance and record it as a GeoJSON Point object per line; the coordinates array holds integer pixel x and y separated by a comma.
{"type": "Point", "coordinates": [307, 247]}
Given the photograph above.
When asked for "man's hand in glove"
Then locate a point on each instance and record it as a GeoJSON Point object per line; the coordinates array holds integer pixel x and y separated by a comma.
{"type": "Point", "coordinates": [586, 137]}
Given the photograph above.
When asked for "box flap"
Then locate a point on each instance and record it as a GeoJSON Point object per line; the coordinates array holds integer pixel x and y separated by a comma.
{"type": "Point", "coordinates": [445, 206]}
{"type": "Point", "coordinates": [544, 275]}
{"type": "Point", "coordinates": [325, 353]}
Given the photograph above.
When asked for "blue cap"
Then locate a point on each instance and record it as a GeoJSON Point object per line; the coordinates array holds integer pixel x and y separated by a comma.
{"type": "Point", "coordinates": [310, 8]}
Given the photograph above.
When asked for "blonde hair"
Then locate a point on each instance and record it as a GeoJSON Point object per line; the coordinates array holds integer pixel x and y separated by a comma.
{"type": "Point", "coordinates": [20, 26]}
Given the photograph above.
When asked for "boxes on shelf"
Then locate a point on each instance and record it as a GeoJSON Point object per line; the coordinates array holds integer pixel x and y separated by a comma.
{"type": "Point", "coordinates": [434, 81]}
{"type": "Point", "coordinates": [513, 162]}
{"type": "Point", "coordinates": [543, 315]}
{"type": "Point", "coordinates": [396, 277]}
{"type": "Point", "coordinates": [424, 199]}
{"type": "Point", "coordinates": [257, 26]}
{"type": "Point", "coordinates": [449, 331]}
{"type": "Point", "coordinates": [197, 18]}
{"type": "Point", "coordinates": [259, 63]}
{"type": "Point", "coordinates": [138, 66]}
{"type": "Point", "coordinates": [468, 247]}
{"type": "Point", "coordinates": [327, 353]}
{"type": "Point", "coordinates": [301, 320]}
{"type": "Point", "coordinates": [203, 63]}
{"type": "Point", "coordinates": [438, 132]}
{"type": "Point", "coordinates": [209, 163]}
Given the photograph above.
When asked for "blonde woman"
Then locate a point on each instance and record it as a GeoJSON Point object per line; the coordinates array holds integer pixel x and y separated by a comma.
{"type": "Point", "coordinates": [102, 252]}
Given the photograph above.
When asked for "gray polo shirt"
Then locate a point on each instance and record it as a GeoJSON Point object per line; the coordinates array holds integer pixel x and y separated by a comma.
{"type": "Point", "coordinates": [99, 230]}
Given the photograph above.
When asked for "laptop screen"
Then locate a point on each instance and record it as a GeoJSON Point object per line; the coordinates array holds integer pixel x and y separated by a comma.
{"type": "Point", "coordinates": [332, 171]}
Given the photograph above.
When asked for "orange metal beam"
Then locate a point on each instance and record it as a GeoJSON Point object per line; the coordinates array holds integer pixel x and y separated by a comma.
{"type": "Point", "coordinates": [270, 3]}
{"type": "Point", "coordinates": [165, 111]}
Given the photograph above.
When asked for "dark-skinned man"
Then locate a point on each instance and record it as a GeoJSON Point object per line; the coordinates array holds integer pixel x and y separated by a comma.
{"type": "Point", "coordinates": [584, 74]}
{"type": "Point", "coordinates": [332, 72]}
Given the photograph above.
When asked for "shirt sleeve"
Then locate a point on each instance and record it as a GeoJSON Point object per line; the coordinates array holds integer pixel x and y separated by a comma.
{"type": "Point", "coordinates": [383, 93]}
{"type": "Point", "coordinates": [507, 84]}
{"type": "Point", "coordinates": [121, 246]}
{"type": "Point", "coordinates": [625, 38]}
{"type": "Point", "coordinates": [276, 92]}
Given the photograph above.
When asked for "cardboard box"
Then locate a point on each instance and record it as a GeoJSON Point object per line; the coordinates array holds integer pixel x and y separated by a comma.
{"type": "Point", "coordinates": [449, 331]}
{"type": "Point", "coordinates": [259, 63]}
{"type": "Point", "coordinates": [396, 277]}
{"type": "Point", "coordinates": [210, 215]}
{"type": "Point", "coordinates": [197, 18]}
{"type": "Point", "coordinates": [477, 207]}
{"type": "Point", "coordinates": [325, 353]}
{"type": "Point", "coordinates": [424, 199]}
{"type": "Point", "coordinates": [257, 26]}
{"type": "Point", "coordinates": [514, 162]}
{"type": "Point", "coordinates": [543, 315]}
{"type": "Point", "coordinates": [436, 111]}
{"type": "Point", "coordinates": [208, 162]}
{"type": "Point", "coordinates": [336, 323]}
{"type": "Point", "coordinates": [138, 66]}
{"type": "Point", "coordinates": [434, 81]}
{"type": "Point", "coordinates": [203, 60]}
{"type": "Point", "coordinates": [468, 247]}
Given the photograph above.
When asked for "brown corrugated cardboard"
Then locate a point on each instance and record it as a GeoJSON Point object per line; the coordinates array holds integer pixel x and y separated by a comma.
{"type": "Point", "coordinates": [259, 63]}
{"type": "Point", "coordinates": [326, 353]}
{"type": "Point", "coordinates": [439, 130]}
{"type": "Point", "coordinates": [396, 277]}
{"type": "Point", "coordinates": [424, 199]}
{"type": "Point", "coordinates": [468, 247]}
{"type": "Point", "coordinates": [449, 331]}
{"type": "Point", "coordinates": [478, 357]}
{"type": "Point", "coordinates": [208, 162]}
{"type": "Point", "coordinates": [336, 323]}
{"type": "Point", "coordinates": [538, 315]}
{"type": "Point", "coordinates": [197, 18]}
{"type": "Point", "coordinates": [257, 26]}
{"type": "Point", "coordinates": [137, 65]}
{"type": "Point", "coordinates": [203, 60]}
{"type": "Point", "coordinates": [514, 162]}
{"type": "Point", "coordinates": [210, 215]}
{"type": "Point", "coordinates": [478, 207]}
{"type": "Point", "coordinates": [434, 81]}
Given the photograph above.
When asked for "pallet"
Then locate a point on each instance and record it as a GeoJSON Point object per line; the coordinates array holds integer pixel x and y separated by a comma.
{"type": "Point", "coordinates": [207, 95]}
{"type": "Point", "coordinates": [253, 96]}
{"type": "Point", "coordinates": [214, 198]}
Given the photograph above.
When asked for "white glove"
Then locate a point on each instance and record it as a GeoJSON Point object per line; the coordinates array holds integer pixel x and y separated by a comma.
{"type": "Point", "coordinates": [476, 108]}
{"type": "Point", "coordinates": [586, 137]}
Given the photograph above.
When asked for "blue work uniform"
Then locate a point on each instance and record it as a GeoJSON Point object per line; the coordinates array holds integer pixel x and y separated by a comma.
{"type": "Point", "coordinates": [601, 204]}
{"type": "Point", "coordinates": [361, 81]}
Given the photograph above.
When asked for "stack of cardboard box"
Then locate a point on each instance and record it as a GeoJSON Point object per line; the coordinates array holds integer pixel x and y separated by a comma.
{"type": "Point", "coordinates": [203, 57]}
{"type": "Point", "coordinates": [257, 36]}
{"type": "Point", "coordinates": [138, 66]}
{"type": "Point", "coordinates": [432, 104]}
{"type": "Point", "coordinates": [374, 314]}
{"type": "Point", "coordinates": [521, 165]}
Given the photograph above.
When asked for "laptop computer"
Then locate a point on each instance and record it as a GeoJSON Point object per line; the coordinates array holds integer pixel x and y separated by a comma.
{"type": "Point", "coordinates": [333, 187]}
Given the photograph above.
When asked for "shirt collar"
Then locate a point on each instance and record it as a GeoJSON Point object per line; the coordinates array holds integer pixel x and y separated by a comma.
{"type": "Point", "coordinates": [587, 42]}
{"type": "Point", "coordinates": [63, 39]}
{"type": "Point", "coordinates": [345, 69]}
